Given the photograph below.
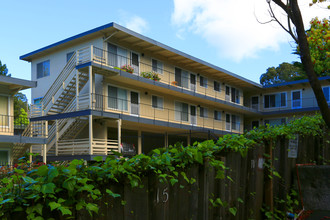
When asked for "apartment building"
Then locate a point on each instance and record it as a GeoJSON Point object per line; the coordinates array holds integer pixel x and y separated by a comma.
{"type": "Point", "coordinates": [113, 89]}
{"type": "Point", "coordinates": [12, 145]}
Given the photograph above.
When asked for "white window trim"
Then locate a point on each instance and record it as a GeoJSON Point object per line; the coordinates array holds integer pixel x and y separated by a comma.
{"type": "Point", "coordinates": [139, 61]}
{"type": "Point", "coordinates": [129, 101]}
{"type": "Point", "coordinates": [175, 101]}
{"type": "Point", "coordinates": [286, 100]}
{"type": "Point", "coordinates": [160, 109]}
{"type": "Point", "coordinates": [329, 92]}
{"type": "Point", "coordinates": [163, 69]}
{"type": "Point", "coordinates": [205, 78]}
{"type": "Point", "coordinates": [9, 153]}
{"type": "Point", "coordinates": [220, 115]}
{"type": "Point", "coordinates": [128, 98]}
{"type": "Point", "coordinates": [9, 113]}
{"type": "Point", "coordinates": [196, 116]}
{"type": "Point", "coordinates": [299, 90]}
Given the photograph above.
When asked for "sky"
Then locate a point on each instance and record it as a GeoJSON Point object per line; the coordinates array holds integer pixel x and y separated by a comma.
{"type": "Point", "coordinates": [226, 33]}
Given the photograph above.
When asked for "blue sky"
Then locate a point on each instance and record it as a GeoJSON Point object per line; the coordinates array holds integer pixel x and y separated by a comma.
{"type": "Point", "coordinates": [224, 33]}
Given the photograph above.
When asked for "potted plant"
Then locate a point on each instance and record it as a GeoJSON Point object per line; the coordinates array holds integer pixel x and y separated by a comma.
{"type": "Point", "coordinates": [174, 83]}
{"type": "Point", "coordinates": [151, 75]}
{"type": "Point", "coordinates": [127, 68]}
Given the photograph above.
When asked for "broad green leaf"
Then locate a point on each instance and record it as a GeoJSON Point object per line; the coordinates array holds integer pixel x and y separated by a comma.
{"type": "Point", "coordinates": [92, 208]}
{"type": "Point", "coordinates": [42, 171]}
{"type": "Point", "coordinates": [98, 158]}
{"type": "Point", "coordinates": [114, 195]}
{"type": "Point", "coordinates": [48, 188]}
{"type": "Point", "coordinates": [65, 211]}
{"type": "Point", "coordinates": [54, 205]}
{"type": "Point", "coordinates": [233, 211]}
{"type": "Point", "coordinates": [52, 173]}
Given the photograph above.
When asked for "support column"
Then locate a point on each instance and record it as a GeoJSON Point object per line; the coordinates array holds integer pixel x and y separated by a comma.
{"type": "Point", "coordinates": [139, 142]}
{"type": "Point", "coordinates": [90, 87]}
{"type": "Point", "coordinates": [119, 135]}
{"type": "Point", "coordinates": [56, 138]}
{"type": "Point", "coordinates": [77, 90]}
{"type": "Point", "coordinates": [166, 139]}
{"type": "Point", "coordinates": [30, 156]}
{"type": "Point", "coordinates": [44, 146]}
{"type": "Point", "coordinates": [90, 117]}
{"type": "Point", "coordinates": [189, 138]}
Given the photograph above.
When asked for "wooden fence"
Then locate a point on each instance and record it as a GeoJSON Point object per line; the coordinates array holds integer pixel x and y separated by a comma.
{"type": "Point", "coordinates": [244, 192]}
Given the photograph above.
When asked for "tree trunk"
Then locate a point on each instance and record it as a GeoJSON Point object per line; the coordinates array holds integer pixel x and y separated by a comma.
{"type": "Point", "coordinates": [307, 62]}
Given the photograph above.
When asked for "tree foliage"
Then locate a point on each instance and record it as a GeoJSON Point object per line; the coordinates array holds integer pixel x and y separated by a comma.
{"type": "Point", "coordinates": [20, 109]}
{"type": "Point", "coordinates": [295, 27]}
{"type": "Point", "coordinates": [318, 37]}
{"type": "Point", "coordinates": [3, 70]}
{"type": "Point", "coordinates": [285, 72]}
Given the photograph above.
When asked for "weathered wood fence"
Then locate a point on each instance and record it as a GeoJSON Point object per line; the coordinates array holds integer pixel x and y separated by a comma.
{"type": "Point", "coordinates": [244, 192]}
{"type": "Point", "coordinates": [192, 201]}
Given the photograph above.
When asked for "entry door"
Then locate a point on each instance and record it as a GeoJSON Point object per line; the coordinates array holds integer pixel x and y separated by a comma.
{"type": "Point", "coordinates": [193, 118]}
{"type": "Point", "coordinates": [135, 62]}
{"type": "Point", "coordinates": [227, 97]}
{"type": "Point", "coordinates": [135, 103]}
{"type": "Point", "coordinates": [255, 102]}
{"type": "Point", "coordinates": [192, 82]}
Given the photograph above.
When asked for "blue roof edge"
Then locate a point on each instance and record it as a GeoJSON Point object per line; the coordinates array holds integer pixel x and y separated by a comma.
{"type": "Point", "coordinates": [294, 82]}
{"type": "Point", "coordinates": [67, 40]}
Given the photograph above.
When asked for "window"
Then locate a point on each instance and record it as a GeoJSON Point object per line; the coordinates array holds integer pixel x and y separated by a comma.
{"type": "Point", "coordinates": [37, 101]}
{"type": "Point", "coordinates": [117, 98]}
{"type": "Point", "coordinates": [135, 62]}
{"type": "Point", "coordinates": [4, 157]}
{"type": "Point", "coordinates": [216, 86]}
{"type": "Point", "coordinates": [181, 111]}
{"type": "Point", "coordinates": [4, 111]}
{"type": "Point", "coordinates": [255, 102]}
{"type": "Point", "coordinates": [217, 115]}
{"type": "Point", "coordinates": [43, 69]}
{"type": "Point", "coordinates": [326, 92]}
{"type": "Point", "coordinates": [275, 100]}
{"type": "Point", "coordinates": [182, 78]}
{"type": "Point", "coordinates": [296, 99]}
{"type": "Point", "coordinates": [203, 81]}
{"type": "Point", "coordinates": [276, 121]}
{"type": "Point", "coordinates": [203, 112]}
{"type": "Point", "coordinates": [68, 56]}
{"type": "Point", "coordinates": [157, 66]}
{"type": "Point", "coordinates": [157, 102]}
{"type": "Point", "coordinates": [117, 56]}
{"type": "Point", "coordinates": [235, 122]}
{"type": "Point", "coordinates": [232, 94]}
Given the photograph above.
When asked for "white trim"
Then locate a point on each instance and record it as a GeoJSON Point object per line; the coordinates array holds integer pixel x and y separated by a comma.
{"type": "Point", "coordinates": [131, 60]}
{"type": "Point", "coordinates": [130, 102]}
{"type": "Point", "coordinates": [128, 97]}
{"type": "Point", "coordinates": [161, 109]}
{"type": "Point", "coordinates": [286, 100]}
{"type": "Point", "coordinates": [300, 106]}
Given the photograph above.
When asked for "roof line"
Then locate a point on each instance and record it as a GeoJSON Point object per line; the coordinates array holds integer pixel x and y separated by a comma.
{"type": "Point", "coordinates": [295, 82]}
{"type": "Point", "coordinates": [17, 81]}
{"type": "Point", "coordinates": [23, 57]}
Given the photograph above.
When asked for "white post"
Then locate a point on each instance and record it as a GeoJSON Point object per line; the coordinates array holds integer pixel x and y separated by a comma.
{"type": "Point", "coordinates": [92, 53]}
{"type": "Point", "coordinates": [119, 134]}
{"type": "Point", "coordinates": [90, 86]}
{"type": "Point", "coordinates": [30, 156]}
{"type": "Point", "coordinates": [90, 134]}
{"type": "Point", "coordinates": [139, 142]}
{"type": "Point", "coordinates": [56, 138]}
{"type": "Point", "coordinates": [44, 151]}
{"type": "Point", "coordinates": [77, 90]}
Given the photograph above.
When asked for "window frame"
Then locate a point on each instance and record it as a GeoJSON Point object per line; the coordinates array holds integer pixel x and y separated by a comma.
{"type": "Point", "coordinates": [157, 107]}
{"type": "Point", "coordinates": [38, 76]}
{"type": "Point", "coordinates": [205, 112]}
{"type": "Point", "coordinates": [157, 67]}
{"type": "Point", "coordinates": [216, 118]}
{"type": "Point", "coordinates": [204, 83]}
{"type": "Point", "coordinates": [328, 101]}
{"type": "Point", "coordinates": [300, 106]}
{"type": "Point", "coordinates": [219, 84]}
{"type": "Point", "coordinates": [128, 98]}
{"type": "Point", "coordinates": [269, 94]}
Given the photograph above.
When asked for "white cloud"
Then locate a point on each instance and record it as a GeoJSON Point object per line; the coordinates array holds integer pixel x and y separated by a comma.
{"type": "Point", "coordinates": [137, 24]}
{"type": "Point", "coordinates": [133, 22]}
{"type": "Point", "coordinates": [231, 26]}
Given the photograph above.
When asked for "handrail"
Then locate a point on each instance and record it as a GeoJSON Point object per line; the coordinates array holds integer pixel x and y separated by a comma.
{"type": "Point", "coordinates": [58, 83]}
